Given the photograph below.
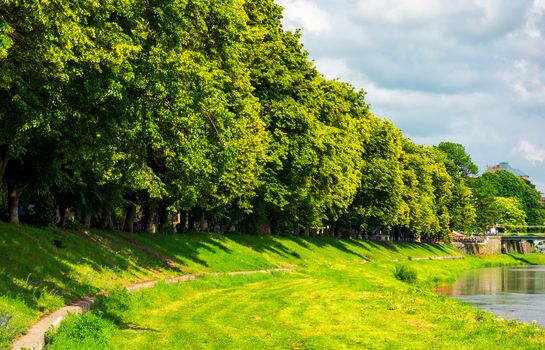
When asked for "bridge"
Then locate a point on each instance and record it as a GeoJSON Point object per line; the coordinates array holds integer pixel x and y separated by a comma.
{"type": "Point", "coordinates": [522, 234]}
{"type": "Point", "coordinates": [520, 238]}
{"type": "Point", "coordinates": [501, 238]}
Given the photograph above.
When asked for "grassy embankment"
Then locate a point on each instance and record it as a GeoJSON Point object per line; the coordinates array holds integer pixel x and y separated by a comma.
{"type": "Point", "coordinates": [342, 295]}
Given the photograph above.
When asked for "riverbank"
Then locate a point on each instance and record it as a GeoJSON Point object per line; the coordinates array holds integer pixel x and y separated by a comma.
{"type": "Point", "coordinates": [344, 305]}
{"type": "Point", "coordinates": [342, 294]}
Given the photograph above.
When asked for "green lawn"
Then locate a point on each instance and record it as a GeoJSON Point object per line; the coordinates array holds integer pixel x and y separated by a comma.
{"type": "Point", "coordinates": [41, 269]}
{"type": "Point", "coordinates": [342, 295]}
{"type": "Point", "coordinates": [347, 306]}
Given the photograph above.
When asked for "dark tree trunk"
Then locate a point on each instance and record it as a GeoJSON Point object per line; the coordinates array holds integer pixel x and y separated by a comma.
{"type": "Point", "coordinates": [203, 223]}
{"type": "Point", "coordinates": [163, 218]}
{"type": "Point", "coordinates": [87, 219]}
{"type": "Point", "coordinates": [146, 218]}
{"type": "Point", "coordinates": [191, 220]}
{"type": "Point", "coordinates": [129, 218]}
{"type": "Point", "coordinates": [107, 222]}
{"type": "Point", "coordinates": [4, 158]}
{"type": "Point", "coordinates": [183, 219]}
{"type": "Point", "coordinates": [14, 204]}
{"type": "Point", "coordinates": [62, 215]}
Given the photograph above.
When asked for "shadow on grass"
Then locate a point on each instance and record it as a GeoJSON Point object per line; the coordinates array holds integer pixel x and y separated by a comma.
{"type": "Point", "coordinates": [135, 327]}
{"type": "Point", "coordinates": [38, 271]}
{"type": "Point", "coordinates": [36, 268]}
{"type": "Point", "coordinates": [521, 259]}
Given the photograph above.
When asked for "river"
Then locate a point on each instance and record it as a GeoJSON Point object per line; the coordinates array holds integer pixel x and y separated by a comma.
{"type": "Point", "coordinates": [509, 292]}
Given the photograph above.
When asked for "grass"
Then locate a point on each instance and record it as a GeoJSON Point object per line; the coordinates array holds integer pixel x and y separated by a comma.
{"type": "Point", "coordinates": [343, 293]}
{"type": "Point", "coordinates": [355, 306]}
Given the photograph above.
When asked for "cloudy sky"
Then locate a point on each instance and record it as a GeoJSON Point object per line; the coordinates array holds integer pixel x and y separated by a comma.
{"type": "Point", "coordinates": [467, 71]}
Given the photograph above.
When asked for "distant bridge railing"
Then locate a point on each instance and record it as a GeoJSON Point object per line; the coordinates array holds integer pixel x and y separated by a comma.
{"type": "Point", "coordinates": [527, 231]}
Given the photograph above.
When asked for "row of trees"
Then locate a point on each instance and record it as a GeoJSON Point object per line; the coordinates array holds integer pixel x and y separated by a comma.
{"type": "Point", "coordinates": [502, 197]}
{"type": "Point", "coordinates": [115, 108]}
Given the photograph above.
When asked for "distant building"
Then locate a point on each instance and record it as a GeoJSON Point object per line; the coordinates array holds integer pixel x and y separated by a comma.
{"type": "Point", "coordinates": [505, 166]}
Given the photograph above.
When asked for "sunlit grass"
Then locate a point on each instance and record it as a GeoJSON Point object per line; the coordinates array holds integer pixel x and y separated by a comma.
{"type": "Point", "coordinates": [345, 308]}
{"type": "Point", "coordinates": [343, 293]}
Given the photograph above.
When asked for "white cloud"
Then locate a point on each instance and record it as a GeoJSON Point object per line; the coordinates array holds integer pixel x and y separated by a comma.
{"type": "Point", "coordinates": [306, 15]}
{"type": "Point", "coordinates": [339, 68]}
{"type": "Point", "coordinates": [333, 68]}
{"type": "Point", "coordinates": [467, 71]}
{"type": "Point", "coordinates": [528, 81]}
{"type": "Point", "coordinates": [530, 152]}
{"type": "Point", "coordinates": [536, 20]}
{"type": "Point", "coordinates": [477, 18]}
{"type": "Point", "coordinates": [400, 12]}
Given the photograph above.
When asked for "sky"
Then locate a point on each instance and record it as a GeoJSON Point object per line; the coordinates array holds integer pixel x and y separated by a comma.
{"type": "Point", "coordinates": [465, 71]}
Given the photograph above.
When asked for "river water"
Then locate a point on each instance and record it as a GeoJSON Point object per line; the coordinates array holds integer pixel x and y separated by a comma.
{"type": "Point", "coordinates": [509, 292]}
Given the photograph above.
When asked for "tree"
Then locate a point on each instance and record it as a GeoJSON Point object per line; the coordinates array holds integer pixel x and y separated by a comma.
{"type": "Point", "coordinates": [62, 65]}
{"type": "Point", "coordinates": [379, 204]}
{"type": "Point", "coordinates": [317, 128]}
{"type": "Point", "coordinates": [502, 183]}
{"type": "Point", "coordinates": [461, 161]}
{"type": "Point", "coordinates": [427, 193]}
{"type": "Point", "coordinates": [505, 210]}
{"type": "Point", "coordinates": [459, 166]}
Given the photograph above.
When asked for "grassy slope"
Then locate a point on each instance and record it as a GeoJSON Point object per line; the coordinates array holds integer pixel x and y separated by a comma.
{"type": "Point", "coordinates": [41, 269]}
{"type": "Point", "coordinates": [343, 289]}
{"type": "Point", "coordinates": [345, 306]}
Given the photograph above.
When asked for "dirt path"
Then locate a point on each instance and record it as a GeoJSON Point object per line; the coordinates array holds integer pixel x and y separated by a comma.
{"type": "Point", "coordinates": [448, 257]}
{"type": "Point", "coordinates": [35, 338]}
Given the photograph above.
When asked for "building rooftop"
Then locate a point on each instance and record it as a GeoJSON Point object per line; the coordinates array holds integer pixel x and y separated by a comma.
{"type": "Point", "coordinates": [505, 166]}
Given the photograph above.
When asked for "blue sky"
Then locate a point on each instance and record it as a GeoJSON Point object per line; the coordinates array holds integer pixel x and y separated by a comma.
{"type": "Point", "coordinates": [466, 71]}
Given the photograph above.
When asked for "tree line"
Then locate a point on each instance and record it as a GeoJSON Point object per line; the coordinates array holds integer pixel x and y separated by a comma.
{"type": "Point", "coordinates": [116, 109]}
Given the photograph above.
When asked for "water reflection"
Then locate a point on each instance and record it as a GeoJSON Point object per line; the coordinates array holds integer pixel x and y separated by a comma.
{"type": "Point", "coordinates": [510, 292]}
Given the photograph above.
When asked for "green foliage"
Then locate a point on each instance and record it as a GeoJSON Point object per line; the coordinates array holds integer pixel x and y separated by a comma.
{"type": "Point", "coordinates": [460, 161]}
{"type": "Point", "coordinates": [379, 203]}
{"type": "Point", "coordinates": [405, 273]}
{"type": "Point", "coordinates": [8, 330]}
{"type": "Point", "coordinates": [41, 213]}
{"type": "Point", "coordinates": [82, 332]}
{"type": "Point", "coordinates": [207, 108]}
{"type": "Point", "coordinates": [115, 305]}
{"type": "Point", "coordinates": [506, 210]}
{"type": "Point", "coordinates": [519, 194]}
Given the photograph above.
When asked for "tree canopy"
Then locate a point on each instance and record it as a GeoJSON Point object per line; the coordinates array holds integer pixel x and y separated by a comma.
{"type": "Point", "coordinates": [117, 112]}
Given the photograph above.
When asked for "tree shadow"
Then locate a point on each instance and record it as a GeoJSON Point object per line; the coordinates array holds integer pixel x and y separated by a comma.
{"type": "Point", "coordinates": [521, 259]}
{"type": "Point", "coordinates": [134, 327]}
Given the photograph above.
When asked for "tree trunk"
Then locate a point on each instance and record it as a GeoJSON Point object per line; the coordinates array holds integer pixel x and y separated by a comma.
{"type": "Point", "coordinates": [14, 204]}
{"type": "Point", "coordinates": [191, 220]}
{"type": "Point", "coordinates": [4, 158]}
{"type": "Point", "coordinates": [107, 222]}
{"type": "Point", "coordinates": [129, 218]}
{"type": "Point", "coordinates": [62, 215]}
{"type": "Point", "coordinates": [203, 223]}
{"type": "Point", "coordinates": [87, 219]}
{"type": "Point", "coordinates": [146, 219]}
{"type": "Point", "coordinates": [163, 218]}
{"type": "Point", "coordinates": [183, 219]}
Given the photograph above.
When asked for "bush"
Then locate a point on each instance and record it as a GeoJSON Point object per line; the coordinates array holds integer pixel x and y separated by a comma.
{"type": "Point", "coordinates": [115, 305]}
{"type": "Point", "coordinates": [42, 211]}
{"type": "Point", "coordinates": [85, 331]}
{"type": "Point", "coordinates": [405, 273]}
{"type": "Point", "coordinates": [7, 330]}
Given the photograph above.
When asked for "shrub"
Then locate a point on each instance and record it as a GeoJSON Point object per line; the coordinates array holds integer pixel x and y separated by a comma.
{"type": "Point", "coordinates": [8, 330]}
{"type": "Point", "coordinates": [85, 331]}
{"type": "Point", "coordinates": [405, 273]}
{"type": "Point", "coordinates": [115, 305]}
